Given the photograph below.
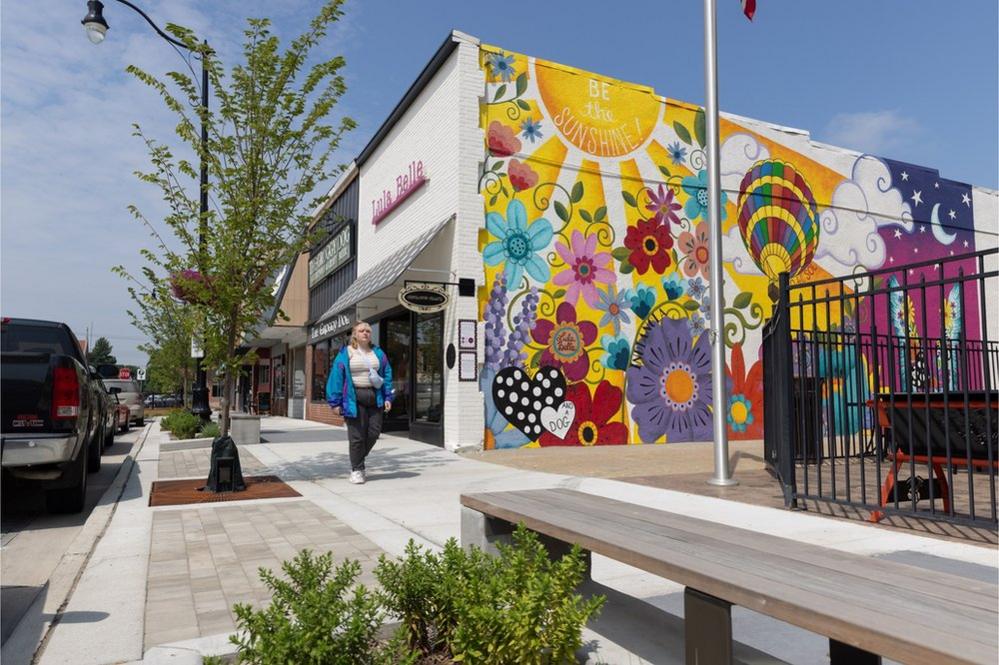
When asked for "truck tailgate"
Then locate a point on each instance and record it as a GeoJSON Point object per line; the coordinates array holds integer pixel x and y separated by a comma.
{"type": "Point", "coordinates": [26, 392]}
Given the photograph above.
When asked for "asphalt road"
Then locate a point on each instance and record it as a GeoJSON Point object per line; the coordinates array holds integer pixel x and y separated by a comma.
{"type": "Point", "coordinates": [33, 541]}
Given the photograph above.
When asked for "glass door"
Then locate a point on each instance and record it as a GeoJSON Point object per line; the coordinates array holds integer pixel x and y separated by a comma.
{"type": "Point", "coordinates": [396, 342]}
{"type": "Point", "coordinates": [428, 410]}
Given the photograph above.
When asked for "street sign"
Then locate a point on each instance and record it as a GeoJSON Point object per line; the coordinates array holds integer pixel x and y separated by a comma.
{"type": "Point", "coordinates": [124, 373]}
{"type": "Point", "coordinates": [140, 374]}
{"type": "Point", "coordinates": [424, 298]}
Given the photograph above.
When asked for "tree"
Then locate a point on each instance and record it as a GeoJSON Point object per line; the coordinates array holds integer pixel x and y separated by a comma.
{"type": "Point", "coordinates": [101, 353]}
{"type": "Point", "coordinates": [269, 147]}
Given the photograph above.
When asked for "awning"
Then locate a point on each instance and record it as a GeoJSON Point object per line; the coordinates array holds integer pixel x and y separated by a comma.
{"type": "Point", "coordinates": [385, 273]}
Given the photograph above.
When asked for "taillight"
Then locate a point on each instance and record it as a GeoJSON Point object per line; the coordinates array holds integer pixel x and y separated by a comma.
{"type": "Point", "coordinates": [65, 394]}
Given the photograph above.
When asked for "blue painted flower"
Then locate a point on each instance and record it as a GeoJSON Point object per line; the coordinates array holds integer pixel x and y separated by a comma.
{"type": "Point", "coordinates": [740, 413]}
{"type": "Point", "coordinates": [518, 243]}
{"type": "Point", "coordinates": [697, 325]}
{"type": "Point", "coordinates": [706, 305]}
{"type": "Point", "coordinates": [502, 66]}
{"type": "Point", "coordinates": [531, 129]}
{"type": "Point", "coordinates": [613, 304]}
{"type": "Point", "coordinates": [617, 353]}
{"type": "Point", "coordinates": [677, 153]}
{"type": "Point", "coordinates": [696, 288]}
{"type": "Point", "coordinates": [674, 286]}
{"type": "Point", "coordinates": [642, 299]}
{"type": "Point", "coordinates": [697, 190]}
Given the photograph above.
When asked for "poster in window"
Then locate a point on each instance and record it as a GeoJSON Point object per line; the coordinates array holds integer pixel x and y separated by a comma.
{"type": "Point", "coordinates": [467, 367]}
{"type": "Point", "coordinates": [467, 334]}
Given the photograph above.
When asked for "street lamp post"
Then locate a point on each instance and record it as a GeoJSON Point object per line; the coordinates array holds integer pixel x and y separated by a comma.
{"type": "Point", "coordinates": [97, 27]}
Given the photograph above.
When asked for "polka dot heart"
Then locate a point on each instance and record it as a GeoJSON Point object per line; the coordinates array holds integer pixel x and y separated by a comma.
{"type": "Point", "coordinates": [521, 398]}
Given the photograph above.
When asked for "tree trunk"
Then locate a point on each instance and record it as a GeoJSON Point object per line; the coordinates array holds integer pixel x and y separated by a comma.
{"type": "Point", "coordinates": [225, 404]}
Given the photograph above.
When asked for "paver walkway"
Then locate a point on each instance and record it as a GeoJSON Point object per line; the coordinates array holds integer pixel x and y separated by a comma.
{"type": "Point", "coordinates": [195, 462]}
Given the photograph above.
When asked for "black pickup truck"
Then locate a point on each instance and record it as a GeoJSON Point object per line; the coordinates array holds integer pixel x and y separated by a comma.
{"type": "Point", "coordinates": [52, 424]}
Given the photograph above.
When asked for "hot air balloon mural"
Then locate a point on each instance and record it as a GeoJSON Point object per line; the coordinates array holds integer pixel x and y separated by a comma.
{"type": "Point", "coordinates": [778, 219]}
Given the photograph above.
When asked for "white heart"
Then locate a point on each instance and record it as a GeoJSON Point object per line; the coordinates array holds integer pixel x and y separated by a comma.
{"type": "Point", "coordinates": [559, 421]}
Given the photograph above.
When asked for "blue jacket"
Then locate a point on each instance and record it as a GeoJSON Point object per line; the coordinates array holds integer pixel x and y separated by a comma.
{"type": "Point", "coordinates": [340, 386]}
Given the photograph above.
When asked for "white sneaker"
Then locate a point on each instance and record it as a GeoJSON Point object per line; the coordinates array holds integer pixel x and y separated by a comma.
{"type": "Point", "coordinates": [357, 477]}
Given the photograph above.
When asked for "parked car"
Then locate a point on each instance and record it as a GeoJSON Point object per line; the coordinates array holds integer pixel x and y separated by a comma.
{"type": "Point", "coordinates": [51, 412]}
{"type": "Point", "coordinates": [123, 415]}
{"type": "Point", "coordinates": [109, 415]}
{"type": "Point", "coordinates": [163, 401]}
{"type": "Point", "coordinates": [130, 396]}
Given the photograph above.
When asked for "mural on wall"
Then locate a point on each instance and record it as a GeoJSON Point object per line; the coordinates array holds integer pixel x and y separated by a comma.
{"type": "Point", "coordinates": [596, 250]}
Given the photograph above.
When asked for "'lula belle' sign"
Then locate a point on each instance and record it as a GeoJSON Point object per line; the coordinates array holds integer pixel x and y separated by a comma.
{"type": "Point", "coordinates": [405, 184]}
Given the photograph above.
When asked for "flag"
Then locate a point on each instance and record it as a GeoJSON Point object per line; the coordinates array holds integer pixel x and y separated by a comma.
{"type": "Point", "coordinates": [749, 8]}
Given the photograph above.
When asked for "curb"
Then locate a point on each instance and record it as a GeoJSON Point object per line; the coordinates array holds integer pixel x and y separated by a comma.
{"type": "Point", "coordinates": [68, 572]}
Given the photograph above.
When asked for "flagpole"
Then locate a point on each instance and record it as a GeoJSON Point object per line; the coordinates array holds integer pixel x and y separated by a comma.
{"type": "Point", "coordinates": [722, 474]}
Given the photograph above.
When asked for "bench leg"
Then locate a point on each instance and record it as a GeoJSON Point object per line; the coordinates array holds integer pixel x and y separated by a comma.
{"type": "Point", "coordinates": [707, 628]}
{"type": "Point", "coordinates": [847, 654]}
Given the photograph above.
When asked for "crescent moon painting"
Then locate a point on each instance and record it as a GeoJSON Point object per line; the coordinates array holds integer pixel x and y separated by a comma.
{"type": "Point", "coordinates": [939, 232]}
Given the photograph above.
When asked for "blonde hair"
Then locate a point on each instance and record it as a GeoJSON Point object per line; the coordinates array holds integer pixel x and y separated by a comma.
{"type": "Point", "coordinates": [353, 332]}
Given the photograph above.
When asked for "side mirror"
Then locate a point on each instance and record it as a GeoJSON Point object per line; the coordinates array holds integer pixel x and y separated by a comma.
{"type": "Point", "coordinates": [114, 390]}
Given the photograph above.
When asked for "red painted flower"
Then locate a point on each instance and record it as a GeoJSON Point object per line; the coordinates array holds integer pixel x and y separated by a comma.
{"type": "Point", "coordinates": [745, 406]}
{"type": "Point", "coordinates": [502, 140]}
{"type": "Point", "coordinates": [521, 176]}
{"type": "Point", "coordinates": [565, 342]}
{"type": "Point", "coordinates": [650, 244]}
{"type": "Point", "coordinates": [591, 426]}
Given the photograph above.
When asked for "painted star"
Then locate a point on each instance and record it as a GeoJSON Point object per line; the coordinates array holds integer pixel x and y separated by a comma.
{"type": "Point", "coordinates": [922, 229]}
{"type": "Point", "coordinates": [917, 196]}
{"type": "Point", "coordinates": [915, 250]}
{"type": "Point", "coordinates": [905, 176]}
{"type": "Point", "coordinates": [898, 234]}
{"type": "Point", "coordinates": [965, 243]}
{"type": "Point", "coordinates": [965, 199]}
{"type": "Point", "coordinates": [952, 252]}
{"type": "Point", "coordinates": [952, 214]}
{"type": "Point", "coordinates": [891, 259]}
{"type": "Point", "coordinates": [936, 185]}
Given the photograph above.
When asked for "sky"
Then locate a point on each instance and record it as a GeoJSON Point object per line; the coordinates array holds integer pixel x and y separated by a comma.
{"type": "Point", "coordinates": [913, 80]}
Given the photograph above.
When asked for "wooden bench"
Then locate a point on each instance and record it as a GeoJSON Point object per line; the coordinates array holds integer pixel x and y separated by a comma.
{"type": "Point", "coordinates": [867, 607]}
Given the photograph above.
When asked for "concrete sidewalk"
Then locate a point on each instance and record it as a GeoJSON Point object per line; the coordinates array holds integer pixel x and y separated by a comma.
{"type": "Point", "coordinates": [159, 583]}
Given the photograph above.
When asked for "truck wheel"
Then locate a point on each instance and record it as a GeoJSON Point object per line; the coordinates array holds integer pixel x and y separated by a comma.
{"type": "Point", "coordinates": [109, 437]}
{"type": "Point", "coordinates": [71, 499]}
{"type": "Point", "coordinates": [140, 422]}
{"type": "Point", "coordinates": [94, 452]}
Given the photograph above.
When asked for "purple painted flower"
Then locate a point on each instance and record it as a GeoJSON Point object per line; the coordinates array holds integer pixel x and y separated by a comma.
{"type": "Point", "coordinates": [586, 267]}
{"type": "Point", "coordinates": [495, 329]}
{"type": "Point", "coordinates": [671, 391]}
{"type": "Point", "coordinates": [663, 205]}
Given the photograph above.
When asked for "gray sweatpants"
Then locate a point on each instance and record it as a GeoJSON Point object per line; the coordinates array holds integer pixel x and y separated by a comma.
{"type": "Point", "coordinates": [364, 430]}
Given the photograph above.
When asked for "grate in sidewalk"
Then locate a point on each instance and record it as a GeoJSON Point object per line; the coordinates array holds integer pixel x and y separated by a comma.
{"type": "Point", "coordinates": [185, 491]}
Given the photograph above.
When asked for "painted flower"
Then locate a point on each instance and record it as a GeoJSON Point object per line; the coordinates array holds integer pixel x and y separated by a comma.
{"type": "Point", "coordinates": [521, 176]}
{"type": "Point", "coordinates": [592, 426]}
{"type": "Point", "coordinates": [696, 288]}
{"type": "Point", "coordinates": [663, 205]}
{"type": "Point", "coordinates": [617, 352]}
{"type": "Point", "coordinates": [696, 251]}
{"type": "Point", "coordinates": [642, 299]}
{"type": "Point", "coordinates": [674, 286]}
{"type": "Point", "coordinates": [697, 190]}
{"type": "Point", "coordinates": [565, 341]}
{"type": "Point", "coordinates": [671, 390]}
{"type": "Point", "coordinates": [697, 324]}
{"type": "Point", "coordinates": [501, 65]}
{"type": "Point", "coordinates": [745, 406]}
{"type": "Point", "coordinates": [677, 153]}
{"type": "Point", "coordinates": [586, 266]}
{"type": "Point", "coordinates": [613, 304]}
{"type": "Point", "coordinates": [501, 139]}
{"type": "Point", "coordinates": [706, 305]}
{"type": "Point", "coordinates": [518, 243]}
{"type": "Point", "coordinates": [650, 244]}
{"type": "Point", "coordinates": [530, 129]}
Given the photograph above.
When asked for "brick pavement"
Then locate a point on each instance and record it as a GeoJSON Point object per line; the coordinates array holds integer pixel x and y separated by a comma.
{"type": "Point", "coordinates": [195, 462]}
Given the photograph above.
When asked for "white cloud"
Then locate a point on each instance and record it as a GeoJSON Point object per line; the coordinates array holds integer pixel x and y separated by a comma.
{"type": "Point", "coordinates": [860, 206]}
{"type": "Point", "coordinates": [872, 132]}
{"type": "Point", "coordinates": [734, 251]}
{"type": "Point", "coordinates": [738, 154]}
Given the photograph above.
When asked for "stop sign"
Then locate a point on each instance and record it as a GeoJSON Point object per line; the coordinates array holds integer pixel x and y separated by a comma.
{"type": "Point", "coordinates": [124, 373]}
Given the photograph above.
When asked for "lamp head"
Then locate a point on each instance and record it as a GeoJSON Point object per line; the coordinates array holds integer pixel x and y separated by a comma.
{"type": "Point", "coordinates": [94, 22]}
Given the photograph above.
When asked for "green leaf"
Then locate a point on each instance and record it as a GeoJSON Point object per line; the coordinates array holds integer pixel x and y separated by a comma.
{"type": "Point", "coordinates": [600, 214]}
{"type": "Point", "coordinates": [577, 192]}
{"type": "Point", "coordinates": [492, 201]}
{"type": "Point", "coordinates": [524, 105]}
{"type": "Point", "coordinates": [621, 253]}
{"type": "Point", "coordinates": [681, 132]}
{"type": "Point", "coordinates": [742, 300]}
{"type": "Point", "coordinates": [586, 216]}
{"type": "Point", "coordinates": [497, 166]}
{"type": "Point", "coordinates": [692, 305]}
{"type": "Point", "coordinates": [629, 199]}
{"type": "Point", "coordinates": [699, 126]}
{"type": "Point", "coordinates": [562, 213]}
{"type": "Point", "coordinates": [626, 268]}
{"type": "Point", "coordinates": [521, 84]}
{"type": "Point", "coordinates": [536, 360]}
{"type": "Point", "coordinates": [500, 91]}
{"type": "Point", "coordinates": [665, 171]}
{"type": "Point", "coordinates": [559, 293]}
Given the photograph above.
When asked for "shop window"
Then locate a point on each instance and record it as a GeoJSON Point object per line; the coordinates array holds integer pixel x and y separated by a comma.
{"type": "Point", "coordinates": [265, 375]}
{"type": "Point", "coordinates": [320, 370]}
{"type": "Point", "coordinates": [217, 389]}
{"type": "Point", "coordinates": [429, 395]}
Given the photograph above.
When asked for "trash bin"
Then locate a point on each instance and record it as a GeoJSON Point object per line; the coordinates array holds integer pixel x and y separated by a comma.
{"type": "Point", "coordinates": [244, 428]}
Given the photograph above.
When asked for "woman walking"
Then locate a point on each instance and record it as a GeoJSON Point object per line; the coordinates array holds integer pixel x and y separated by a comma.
{"type": "Point", "coordinates": [360, 389]}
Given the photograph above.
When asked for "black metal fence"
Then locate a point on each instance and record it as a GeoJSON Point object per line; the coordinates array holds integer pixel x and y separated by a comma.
{"type": "Point", "coordinates": [882, 389]}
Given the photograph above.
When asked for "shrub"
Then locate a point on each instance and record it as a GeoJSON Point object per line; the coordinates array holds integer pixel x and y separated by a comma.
{"type": "Point", "coordinates": [519, 607]}
{"type": "Point", "coordinates": [315, 617]}
{"type": "Point", "coordinates": [211, 430]}
{"type": "Point", "coordinates": [182, 424]}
